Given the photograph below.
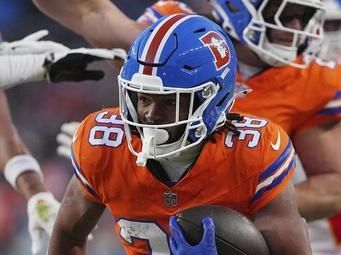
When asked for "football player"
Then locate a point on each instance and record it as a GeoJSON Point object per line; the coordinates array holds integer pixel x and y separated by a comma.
{"type": "Point", "coordinates": [331, 45]}
{"type": "Point", "coordinates": [173, 144]}
{"type": "Point", "coordinates": [270, 38]}
{"type": "Point", "coordinates": [29, 60]}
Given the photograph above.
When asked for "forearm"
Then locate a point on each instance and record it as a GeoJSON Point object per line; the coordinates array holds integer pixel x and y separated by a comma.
{"type": "Point", "coordinates": [319, 196]}
{"type": "Point", "coordinates": [11, 145]}
{"type": "Point", "coordinates": [61, 243]}
{"type": "Point", "coordinates": [282, 227]}
{"type": "Point", "coordinates": [99, 21]}
{"type": "Point", "coordinates": [76, 218]}
{"type": "Point", "coordinates": [319, 150]}
{"type": "Point", "coordinates": [289, 243]}
{"type": "Point", "coordinates": [30, 183]}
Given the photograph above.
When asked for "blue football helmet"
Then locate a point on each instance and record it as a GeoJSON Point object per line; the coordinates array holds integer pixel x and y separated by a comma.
{"type": "Point", "coordinates": [244, 20]}
{"type": "Point", "coordinates": [178, 55]}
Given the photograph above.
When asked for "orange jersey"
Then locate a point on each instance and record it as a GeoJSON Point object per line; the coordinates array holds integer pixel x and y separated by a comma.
{"type": "Point", "coordinates": [240, 172]}
{"type": "Point", "coordinates": [161, 9]}
{"type": "Point", "coordinates": [291, 97]}
{"type": "Point", "coordinates": [295, 98]}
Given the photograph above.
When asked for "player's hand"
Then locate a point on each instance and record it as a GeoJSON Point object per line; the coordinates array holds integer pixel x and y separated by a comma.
{"type": "Point", "coordinates": [30, 59]}
{"type": "Point", "coordinates": [56, 67]}
{"type": "Point", "coordinates": [65, 137]}
{"type": "Point", "coordinates": [72, 65]}
{"type": "Point", "coordinates": [179, 245]}
{"type": "Point", "coordinates": [42, 210]}
{"type": "Point", "coordinates": [31, 45]}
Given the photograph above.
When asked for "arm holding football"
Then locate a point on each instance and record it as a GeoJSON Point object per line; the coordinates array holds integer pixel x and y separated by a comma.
{"type": "Point", "coordinates": [281, 225]}
{"type": "Point", "coordinates": [75, 220]}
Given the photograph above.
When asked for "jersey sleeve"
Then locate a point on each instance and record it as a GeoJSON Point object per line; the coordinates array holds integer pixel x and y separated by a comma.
{"type": "Point", "coordinates": [275, 169]}
{"type": "Point", "coordinates": [80, 153]}
{"type": "Point", "coordinates": [326, 84]}
{"type": "Point", "coordinates": [161, 9]}
{"type": "Point", "coordinates": [95, 153]}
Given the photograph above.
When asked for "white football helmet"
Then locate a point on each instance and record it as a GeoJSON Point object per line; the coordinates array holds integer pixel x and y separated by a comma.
{"type": "Point", "coordinates": [331, 44]}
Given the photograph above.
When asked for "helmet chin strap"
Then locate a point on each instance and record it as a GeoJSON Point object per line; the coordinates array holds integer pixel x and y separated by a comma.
{"type": "Point", "coordinates": [151, 138]}
{"type": "Point", "coordinates": [288, 54]}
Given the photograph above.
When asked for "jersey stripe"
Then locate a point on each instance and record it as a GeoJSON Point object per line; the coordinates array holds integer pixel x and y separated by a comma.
{"type": "Point", "coordinates": [288, 151]}
{"type": "Point", "coordinates": [276, 181]}
{"type": "Point", "coordinates": [333, 107]}
{"type": "Point", "coordinates": [78, 173]}
{"type": "Point", "coordinates": [332, 111]}
{"type": "Point", "coordinates": [156, 14]}
{"type": "Point", "coordinates": [338, 94]}
{"type": "Point", "coordinates": [276, 172]}
{"type": "Point", "coordinates": [282, 169]}
{"type": "Point", "coordinates": [155, 43]}
{"type": "Point", "coordinates": [150, 16]}
{"type": "Point", "coordinates": [333, 104]}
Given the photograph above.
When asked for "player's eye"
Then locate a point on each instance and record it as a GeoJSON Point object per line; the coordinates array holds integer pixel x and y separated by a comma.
{"type": "Point", "coordinates": [171, 102]}
{"type": "Point", "coordinates": [143, 99]}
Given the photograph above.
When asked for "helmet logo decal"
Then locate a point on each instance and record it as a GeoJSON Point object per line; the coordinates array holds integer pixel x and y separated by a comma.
{"type": "Point", "coordinates": [218, 47]}
{"type": "Point", "coordinates": [157, 40]}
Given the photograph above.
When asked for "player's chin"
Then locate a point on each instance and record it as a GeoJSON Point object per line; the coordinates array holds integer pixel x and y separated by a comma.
{"type": "Point", "coordinates": [175, 133]}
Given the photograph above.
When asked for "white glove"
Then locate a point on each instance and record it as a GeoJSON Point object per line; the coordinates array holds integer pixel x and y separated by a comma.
{"type": "Point", "coordinates": [30, 60]}
{"type": "Point", "coordinates": [42, 209]}
{"type": "Point", "coordinates": [31, 45]}
{"type": "Point", "coordinates": [65, 138]}
{"type": "Point", "coordinates": [56, 67]}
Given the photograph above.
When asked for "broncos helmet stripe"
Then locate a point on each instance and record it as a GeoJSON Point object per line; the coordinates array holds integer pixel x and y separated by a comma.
{"type": "Point", "coordinates": [155, 44]}
{"type": "Point", "coordinates": [183, 56]}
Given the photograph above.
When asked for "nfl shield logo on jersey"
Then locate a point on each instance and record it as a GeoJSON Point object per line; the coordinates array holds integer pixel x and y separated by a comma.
{"type": "Point", "coordinates": [170, 199]}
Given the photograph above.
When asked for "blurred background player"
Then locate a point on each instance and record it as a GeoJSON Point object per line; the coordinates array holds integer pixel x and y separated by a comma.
{"type": "Point", "coordinates": [331, 45]}
{"type": "Point", "coordinates": [193, 155]}
{"type": "Point", "coordinates": [325, 234]}
{"type": "Point", "coordinates": [24, 61]}
{"type": "Point", "coordinates": [313, 122]}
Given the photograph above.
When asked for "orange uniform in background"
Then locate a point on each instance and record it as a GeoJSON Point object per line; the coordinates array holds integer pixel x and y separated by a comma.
{"type": "Point", "coordinates": [293, 98]}
{"type": "Point", "coordinates": [243, 173]}
{"type": "Point", "coordinates": [161, 9]}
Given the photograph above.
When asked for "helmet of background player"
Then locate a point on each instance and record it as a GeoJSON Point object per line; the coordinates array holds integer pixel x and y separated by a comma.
{"type": "Point", "coordinates": [252, 21]}
{"type": "Point", "coordinates": [184, 56]}
{"type": "Point", "coordinates": [331, 44]}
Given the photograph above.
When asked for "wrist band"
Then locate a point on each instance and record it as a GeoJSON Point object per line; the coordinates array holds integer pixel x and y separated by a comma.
{"type": "Point", "coordinates": [18, 165]}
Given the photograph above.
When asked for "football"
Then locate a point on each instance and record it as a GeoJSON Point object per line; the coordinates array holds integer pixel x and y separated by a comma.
{"type": "Point", "coordinates": [235, 234]}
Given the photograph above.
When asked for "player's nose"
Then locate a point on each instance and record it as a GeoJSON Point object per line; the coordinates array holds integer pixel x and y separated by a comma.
{"type": "Point", "coordinates": [295, 23]}
{"type": "Point", "coordinates": [154, 114]}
